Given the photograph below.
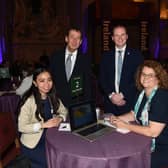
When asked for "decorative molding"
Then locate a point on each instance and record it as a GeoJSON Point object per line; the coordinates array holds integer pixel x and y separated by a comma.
{"type": "Point", "coordinates": [44, 27]}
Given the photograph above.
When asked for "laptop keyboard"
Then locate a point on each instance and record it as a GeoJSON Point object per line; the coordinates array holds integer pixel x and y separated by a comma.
{"type": "Point", "coordinates": [92, 129]}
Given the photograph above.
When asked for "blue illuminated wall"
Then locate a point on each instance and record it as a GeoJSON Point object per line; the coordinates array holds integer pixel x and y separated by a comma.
{"type": "Point", "coordinates": [2, 48]}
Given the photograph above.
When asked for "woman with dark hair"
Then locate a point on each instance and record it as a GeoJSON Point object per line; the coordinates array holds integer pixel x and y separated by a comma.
{"type": "Point", "coordinates": [150, 111]}
{"type": "Point", "coordinates": [39, 109]}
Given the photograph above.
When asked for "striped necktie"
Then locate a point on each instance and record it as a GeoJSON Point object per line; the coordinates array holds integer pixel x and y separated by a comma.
{"type": "Point", "coordinates": [68, 66]}
{"type": "Point", "coordinates": [119, 64]}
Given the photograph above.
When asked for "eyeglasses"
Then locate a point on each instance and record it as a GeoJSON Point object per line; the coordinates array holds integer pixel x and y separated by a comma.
{"type": "Point", "coordinates": [149, 76]}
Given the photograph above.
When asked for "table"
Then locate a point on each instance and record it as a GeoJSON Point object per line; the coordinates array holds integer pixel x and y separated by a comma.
{"type": "Point", "coordinates": [115, 150]}
{"type": "Point", "coordinates": [9, 103]}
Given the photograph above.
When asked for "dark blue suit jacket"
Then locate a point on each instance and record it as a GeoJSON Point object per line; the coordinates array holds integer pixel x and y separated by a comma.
{"type": "Point", "coordinates": [81, 68]}
{"type": "Point", "coordinates": [132, 60]}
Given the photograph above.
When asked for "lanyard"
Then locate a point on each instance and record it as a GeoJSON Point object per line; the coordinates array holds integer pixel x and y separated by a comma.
{"type": "Point", "coordinates": [144, 114]}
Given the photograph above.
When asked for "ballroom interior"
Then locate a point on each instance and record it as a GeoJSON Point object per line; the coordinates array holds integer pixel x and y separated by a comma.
{"type": "Point", "coordinates": [30, 28]}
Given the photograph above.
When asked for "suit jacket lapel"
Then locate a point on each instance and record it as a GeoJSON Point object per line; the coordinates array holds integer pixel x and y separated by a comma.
{"type": "Point", "coordinates": [125, 63]}
{"type": "Point", "coordinates": [62, 62]}
{"type": "Point", "coordinates": [112, 62]}
{"type": "Point", "coordinates": [76, 63]}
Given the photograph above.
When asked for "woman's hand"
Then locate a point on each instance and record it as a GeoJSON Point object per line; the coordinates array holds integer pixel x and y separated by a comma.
{"type": "Point", "coordinates": [118, 122]}
{"type": "Point", "coordinates": [53, 122]}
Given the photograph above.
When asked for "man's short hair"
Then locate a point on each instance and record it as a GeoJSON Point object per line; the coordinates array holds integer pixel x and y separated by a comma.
{"type": "Point", "coordinates": [119, 25]}
{"type": "Point", "coordinates": [75, 28]}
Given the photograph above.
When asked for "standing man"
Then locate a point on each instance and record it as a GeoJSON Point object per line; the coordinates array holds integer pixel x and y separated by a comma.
{"type": "Point", "coordinates": [71, 70]}
{"type": "Point", "coordinates": [117, 71]}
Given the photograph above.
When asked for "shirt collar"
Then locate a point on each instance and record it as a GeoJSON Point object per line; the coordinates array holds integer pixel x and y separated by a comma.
{"type": "Point", "coordinates": [120, 49]}
{"type": "Point", "coordinates": [67, 52]}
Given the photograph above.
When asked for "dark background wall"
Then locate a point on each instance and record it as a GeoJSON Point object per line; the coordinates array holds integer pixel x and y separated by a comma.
{"type": "Point", "coordinates": [39, 26]}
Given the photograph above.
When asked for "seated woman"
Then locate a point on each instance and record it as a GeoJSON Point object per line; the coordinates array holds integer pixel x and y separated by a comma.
{"type": "Point", "coordinates": [150, 111]}
{"type": "Point", "coordinates": [40, 109]}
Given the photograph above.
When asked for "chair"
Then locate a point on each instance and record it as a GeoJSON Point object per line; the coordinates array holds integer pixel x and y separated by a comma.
{"type": "Point", "coordinates": [9, 143]}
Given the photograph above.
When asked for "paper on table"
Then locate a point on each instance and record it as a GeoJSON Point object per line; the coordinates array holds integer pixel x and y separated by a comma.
{"type": "Point", "coordinates": [64, 127]}
{"type": "Point", "coordinates": [123, 131]}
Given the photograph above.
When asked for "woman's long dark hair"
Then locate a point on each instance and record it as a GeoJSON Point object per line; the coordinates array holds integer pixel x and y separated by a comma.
{"type": "Point", "coordinates": [33, 91]}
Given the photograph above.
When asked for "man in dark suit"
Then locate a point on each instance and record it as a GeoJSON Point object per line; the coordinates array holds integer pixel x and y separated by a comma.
{"type": "Point", "coordinates": [71, 70]}
{"type": "Point", "coordinates": [117, 71]}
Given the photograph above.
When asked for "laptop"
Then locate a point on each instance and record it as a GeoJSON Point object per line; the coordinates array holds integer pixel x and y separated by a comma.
{"type": "Point", "coordinates": [83, 122]}
{"type": "Point", "coordinates": [4, 72]}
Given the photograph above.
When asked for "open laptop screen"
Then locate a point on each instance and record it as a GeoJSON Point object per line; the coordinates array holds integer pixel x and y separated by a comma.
{"type": "Point", "coordinates": [4, 72]}
{"type": "Point", "coordinates": [82, 115]}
